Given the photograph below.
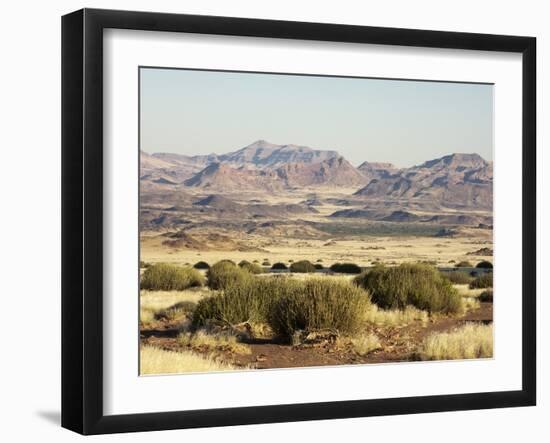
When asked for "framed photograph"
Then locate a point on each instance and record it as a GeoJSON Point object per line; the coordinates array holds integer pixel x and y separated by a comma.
{"type": "Point", "coordinates": [269, 221]}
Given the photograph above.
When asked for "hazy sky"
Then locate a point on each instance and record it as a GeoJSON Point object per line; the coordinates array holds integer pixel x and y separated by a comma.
{"type": "Point", "coordinates": [403, 122]}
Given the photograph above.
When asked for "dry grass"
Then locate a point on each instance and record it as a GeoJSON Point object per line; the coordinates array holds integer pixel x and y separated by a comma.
{"type": "Point", "coordinates": [471, 303]}
{"type": "Point", "coordinates": [170, 303]}
{"type": "Point", "coordinates": [395, 317]}
{"type": "Point", "coordinates": [213, 341]}
{"type": "Point", "coordinates": [466, 342]}
{"type": "Point", "coordinates": [365, 344]}
{"type": "Point", "coordinates": [466, 291]}
{"type": "Point", "coordinates": [158, 361]}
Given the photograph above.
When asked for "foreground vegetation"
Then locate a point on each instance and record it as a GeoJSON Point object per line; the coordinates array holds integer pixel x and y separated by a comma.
{"type": "Point", "coordinates": [285, 304]}
{"type": "Point", "coordinates": [158, 361]}
{"type": "Point", "coordinates": [416, 285]}
{"type": "Point", "coordinates": [225, 305]}
{"type": "Point", "coordinates": [469, 341]}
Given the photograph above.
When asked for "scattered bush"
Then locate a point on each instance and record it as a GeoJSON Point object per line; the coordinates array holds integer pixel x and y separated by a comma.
{"type": "Point", "coordinates": [317, 304]}
{"type": "Point", "coordinates": [165, 277]}
{"type": "Point", "coordinates": [318, 266]}
{"type": "Point", "coordinates": [279, 266]}
{"type": "Point", "coordinates": [345, 268]}
{"type": "Point", "coordinates": [287, 305]}
{"type": "Point", "coordinates": [225, 273]}
{"type": "Point", "coordinates": [201, 265]}
{"type": "Point", "coordinates": [464, 264]}
{"type": "Point", "coordinates": [469, 341]}
{"type": "Point", "coordinates": [250, 300]}
{"type": "Point", "coordinates": [143, 264]}
{"type": "Point", "coordinates": [418, 285]}
{"type": "Point", "coordinates": [484, 265]}
{"type": "Point", "coordinates": [320, 260]}
{"type": "Point", "coordinates": [483, 281]}
{"type": "Point", "coordinates": [251, 267]}
{"type": "Point", "coordinates": [302, 266]}
{"type": "Point", "coordinates": [458, 277]}
{"type": "Point", "coordinates": [486, 296]}
{"type": "Point", "coordinates": [256, 261]}
{"type": "Point", "coordinates": [266, 263]}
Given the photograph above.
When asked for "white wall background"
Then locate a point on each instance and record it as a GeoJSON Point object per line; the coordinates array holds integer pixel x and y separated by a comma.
{"type": "Point", "coordinates": [30, 217]}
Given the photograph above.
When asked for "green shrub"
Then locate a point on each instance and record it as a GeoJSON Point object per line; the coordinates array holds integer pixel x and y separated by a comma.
{"type": "Point", "coordinates": [484, 265]}
{"type": "Point", "coordinates": [279, 266]}
{"type": "Point", "coordinates": [165, 277]}
{"type": "Point", "coordinates": [317, 304]}
{"type": "Point", "coordinates": [302, 266]}
{"type": "Point", "coordinates": [225, 273]}
{"type": "Point", "coordinates": [486, 296]}
{"type": "Point", "coordinates": [346, 268]}
{"type": "Point", "coordinates": [201, 265]}
{"type": "Point", "coordinates": [250, 300]}
{"type": "Point", "coordinates": [464, 264]}
{"type": "Point", "coordinates": [418, 285]}
{"type": "Point", "coordinates": [143, 264]}
{"type": "Point", "coordinates": [458, 277]}
{"type": "Point", "coordinates": [318, 266]}
{"type": "Point", "coordinates": [287, 305]}
{"type": "Point", "coordinates": [320, 260]}
{"type": "Point", "coordinates": [483, 281]}
{"type": "Point", "coordinates": [251, 267]}
{"type": "Point", "coordinates": [266, 263]}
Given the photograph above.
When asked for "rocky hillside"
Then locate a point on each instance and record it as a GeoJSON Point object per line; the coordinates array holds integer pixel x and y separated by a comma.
{"type": "Point", "coordinates": [456, 180]}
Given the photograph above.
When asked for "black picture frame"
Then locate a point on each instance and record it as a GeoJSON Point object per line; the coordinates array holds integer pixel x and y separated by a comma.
{"type": "Point", "coordinates": [82, 218]}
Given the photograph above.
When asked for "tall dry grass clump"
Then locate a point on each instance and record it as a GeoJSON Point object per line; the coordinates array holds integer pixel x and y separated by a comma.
{"type": "Point", "coordinates": [165, 277]}
{"type": "Point", "coordinates": [469, 341]}
{"type": "Point", "coordinates": [317, 304]}
{"type": "Point", "coordinates": [158, 361]}
{"type": "Point", "coordinates": [395, 317]}
{"type": "Point", "coordinates": [418, 285]}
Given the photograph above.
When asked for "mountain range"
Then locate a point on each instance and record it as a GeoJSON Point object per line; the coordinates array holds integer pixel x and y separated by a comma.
{"type": "Point", "coordinates": [455, 180]}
